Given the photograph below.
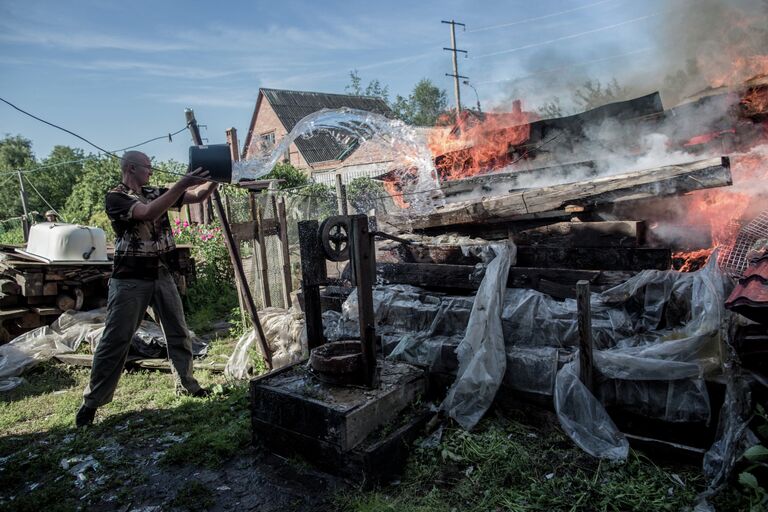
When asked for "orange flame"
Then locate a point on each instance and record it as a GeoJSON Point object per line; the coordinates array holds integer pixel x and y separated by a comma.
{"type": "Point", "coordinates": [479, 143]}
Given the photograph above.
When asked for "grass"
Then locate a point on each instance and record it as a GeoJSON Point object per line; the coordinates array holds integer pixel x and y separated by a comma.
{"type": "Point", "coordinates": [503, 465]}
{"type": "Point", "coordinates": [509, 466]}
{"type": "Point", "coordinates": [146, 420]}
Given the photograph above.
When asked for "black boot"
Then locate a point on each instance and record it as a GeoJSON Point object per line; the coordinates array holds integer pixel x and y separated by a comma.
{"type": "Point", "coordinates": [84, 416]}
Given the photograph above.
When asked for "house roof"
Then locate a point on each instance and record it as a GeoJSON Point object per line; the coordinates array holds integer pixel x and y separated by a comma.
{"type": "Point", "coordinates": [292, 106]}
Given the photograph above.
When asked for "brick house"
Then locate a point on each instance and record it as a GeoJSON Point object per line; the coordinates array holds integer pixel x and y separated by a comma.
{"type": "Point", "coordinates": [277, 111]}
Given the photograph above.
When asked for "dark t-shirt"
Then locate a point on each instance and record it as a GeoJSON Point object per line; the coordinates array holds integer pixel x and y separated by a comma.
{"type": "Point", "coordinates": [141, 246]}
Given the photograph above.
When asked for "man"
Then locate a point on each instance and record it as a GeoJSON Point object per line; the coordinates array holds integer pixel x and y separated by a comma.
{"type": "Point", "coordinates": [141, 276]}
{"type": "Point", "coordinates": [51, 216]}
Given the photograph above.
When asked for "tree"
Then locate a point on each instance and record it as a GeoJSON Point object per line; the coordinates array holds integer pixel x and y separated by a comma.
{"type": "Point", "coordinates": [593, 94]}
{"type": "Point", "coordinates": [55, 181]}
{"type": "Point", "coordinates": [423, 106]}
{"type": "Point", "coordinates": [374, 88]}
{"type": "Point", "coordinates": [15, 153]}
{"type": "Point", "coordinates": [365, 194]}
{"type": "Point", "coordinates": [100, 174]}
{"type": "Point", "coordinates": [551, 109]}
{"type": "Point", "coordinates": [284, 171]}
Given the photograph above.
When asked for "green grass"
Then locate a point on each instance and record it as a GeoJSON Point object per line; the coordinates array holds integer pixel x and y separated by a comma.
{"type": "Point", "coordinates": [505, 465]}
{"type": "Point", "coordinates": [146, 417]}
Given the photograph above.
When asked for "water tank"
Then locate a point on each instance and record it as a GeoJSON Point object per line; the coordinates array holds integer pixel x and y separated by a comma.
{"type": "Point", "coordinates": [55, 242]}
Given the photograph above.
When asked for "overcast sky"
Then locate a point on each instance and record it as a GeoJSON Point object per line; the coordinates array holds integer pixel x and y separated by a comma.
{"type": "Point", "coordinates": [122, 72]}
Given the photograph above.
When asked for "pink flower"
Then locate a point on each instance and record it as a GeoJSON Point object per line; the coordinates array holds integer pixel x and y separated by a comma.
{"type": "Point", "coordinates": [178, 222]}
{"type": "Point", "coordinates": [186, 224]}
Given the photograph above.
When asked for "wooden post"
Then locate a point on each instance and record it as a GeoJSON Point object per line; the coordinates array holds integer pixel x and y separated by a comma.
{"type": "Point", "coordinates": [362, 259]}
{"type": "Point", "coordinates": [25, 217]}
{"type": "Point", "coordinates": [341, 196]}
{"type": "Point", "coordinates": [584, 310]}
{"type": "Point", "coordinates": [313, 273]}
{"type": "Point", "coordinates": [265, 295]}
{"type": "Point", "coordinates": [285, 254]}
{"type": "Point", "coordinates": [234, 254]}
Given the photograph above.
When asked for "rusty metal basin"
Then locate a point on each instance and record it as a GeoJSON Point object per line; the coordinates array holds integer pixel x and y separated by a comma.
{"type": "Point", "coordinates": [338, 362]}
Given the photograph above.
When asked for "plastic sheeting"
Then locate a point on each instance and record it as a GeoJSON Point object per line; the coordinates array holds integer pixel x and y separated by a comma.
{"type": "Point", "coordinates": [67, 333]}
{"type": "Point", "coordinates": [656, 338]}
{"type": "Point", "coordinates": [286, 339]}
{"type": "Point", "coordinates": [63, 336]}
{"type": "Point", "coordinates": [481, 354]}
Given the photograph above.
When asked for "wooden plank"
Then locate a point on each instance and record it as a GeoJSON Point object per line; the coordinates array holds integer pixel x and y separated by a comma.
{"type": "Point", "coordinates": [585, 258]}
{"type": "Point", "coordinates": [584, 234]}
{"type": "Point", "coordinates": [285, 253]}
{"type": "Point", "coordinates": [266, 297]}
{"type": "Point", "coordinates": [244, 231]}
{"type": "Point", "coordinates": [650, 183]}
{"type": "Point", "coordinates": [31, 283]}
{"type": "Point", "coordinates": [7, 314]}
{"type": "Point", "coordinates": [50, 289]}
{"type": "Point", "coordinates": [584, 313]}
{"type": "Point", "coordinates": [9, 287]}
{"type": "Point", "coordinates": [558, 282]}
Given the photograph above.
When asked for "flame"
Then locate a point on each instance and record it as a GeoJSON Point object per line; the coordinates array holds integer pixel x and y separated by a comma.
{"type": "Point", "coordinates": [479, 143]}
{"type": "Point", "coordinates": [690, 261]}
{"type": "Point", "coordinates": [755, 102]}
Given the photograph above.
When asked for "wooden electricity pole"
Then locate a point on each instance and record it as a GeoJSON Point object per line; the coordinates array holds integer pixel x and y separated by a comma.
{"type": "Point", "coordinates": [25, 218]}
{"type": "Point", "coordinates": [456, 76]}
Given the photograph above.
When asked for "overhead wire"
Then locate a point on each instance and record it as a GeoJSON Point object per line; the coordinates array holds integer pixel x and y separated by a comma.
{"type": "Point", "coordinates": [41, 196]}
{"type": "Point", "coordinates": [110, 153]}
{"type": "Point", "coordinates": [539, 18]}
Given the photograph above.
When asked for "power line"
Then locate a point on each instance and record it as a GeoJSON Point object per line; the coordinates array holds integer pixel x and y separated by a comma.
{"type": "Point", "coordinates": [43, 198]}
{"type": "Point", "coordinates": [565, 38]}
{"type": "Point", "coordinates": [537, 18]}
{"type": "Point", "coordinates": [110, 153]}
{"type": "Point", "coordinates": [561, 68]}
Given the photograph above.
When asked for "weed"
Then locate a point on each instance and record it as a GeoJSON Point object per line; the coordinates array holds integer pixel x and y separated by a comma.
{"type": "Point", "coordinates": [193, 496]}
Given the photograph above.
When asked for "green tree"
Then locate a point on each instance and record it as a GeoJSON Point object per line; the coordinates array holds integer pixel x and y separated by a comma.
{"type": "Point", "coordinates": [365, 194]}
{"type": "Point", "coordinates": [55, 181]}
{"type": "Point", "coordinates": [284, 171]}
{"type": "Point", "coordinates": [423, 106]}
{"type": "Point", "coordinates": [374, 88]}
{"type": "Point", "coordinates": [100, 174]}
{"type": "Point", "coordinates": [15, 153]}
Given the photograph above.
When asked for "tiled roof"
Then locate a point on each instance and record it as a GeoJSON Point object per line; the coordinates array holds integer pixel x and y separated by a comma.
{"type": "Point", "coordinates": [292, 106]}
{"type": "Point", "coordinates": [750, 297]}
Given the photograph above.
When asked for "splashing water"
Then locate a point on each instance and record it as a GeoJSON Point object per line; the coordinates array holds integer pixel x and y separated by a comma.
{"type": "Point", "coordinates": [410, 157]}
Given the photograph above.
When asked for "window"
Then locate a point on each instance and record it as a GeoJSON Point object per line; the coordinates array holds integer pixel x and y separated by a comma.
{"type": "Point", "coordinates": [267, 141]}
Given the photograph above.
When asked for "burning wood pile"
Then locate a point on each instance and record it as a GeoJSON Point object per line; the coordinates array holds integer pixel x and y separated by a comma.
{"type": "Point", "coordinates": [614, 198]}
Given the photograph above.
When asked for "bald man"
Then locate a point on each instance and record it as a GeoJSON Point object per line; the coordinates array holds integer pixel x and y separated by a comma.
{"type": "Point", "coordinates": [145, 257]}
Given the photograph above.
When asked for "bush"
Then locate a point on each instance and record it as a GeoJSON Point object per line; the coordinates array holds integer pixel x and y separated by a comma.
{"type": "Point", "coordinates": [365, 194]}
{"type": "Point", "coordinates": [212, 295]}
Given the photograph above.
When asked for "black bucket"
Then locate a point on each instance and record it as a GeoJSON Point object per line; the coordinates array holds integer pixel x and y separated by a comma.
{"type": "Point", "coordinates": [214, 158]}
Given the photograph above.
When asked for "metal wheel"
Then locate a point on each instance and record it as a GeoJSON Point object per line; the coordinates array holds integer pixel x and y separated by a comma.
{"type": "Point", "coordinates": [334, 234]}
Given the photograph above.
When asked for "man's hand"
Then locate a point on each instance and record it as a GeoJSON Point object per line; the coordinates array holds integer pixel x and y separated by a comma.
{"type": "Point", "coordinates": [194, 178]}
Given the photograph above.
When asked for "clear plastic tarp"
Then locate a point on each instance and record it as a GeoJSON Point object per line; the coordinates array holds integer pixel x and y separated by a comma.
{"type": "Point", "coordinates": [286, 338]}
{"type": "Point", "coordinates": [657, 336]}
{"type": "Point", "coordinates": [67, 333]}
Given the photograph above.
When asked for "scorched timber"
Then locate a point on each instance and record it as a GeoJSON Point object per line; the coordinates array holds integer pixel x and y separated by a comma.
{"type": "Point", "coordinates": [661, 181]}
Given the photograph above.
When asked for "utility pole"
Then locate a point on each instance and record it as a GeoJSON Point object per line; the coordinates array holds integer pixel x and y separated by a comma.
{"type": "Point", "coordinates": [204, 209]}
{"type": "Point", "coordinates": [456, 76]}
{"type": "Point", "coordinates": [25, 218]}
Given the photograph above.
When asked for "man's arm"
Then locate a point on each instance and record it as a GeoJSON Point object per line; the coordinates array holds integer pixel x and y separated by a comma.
{"type": "Point", "coordinates": [162, 204]}
{"type": "Point", "coordinates": [200, 193]}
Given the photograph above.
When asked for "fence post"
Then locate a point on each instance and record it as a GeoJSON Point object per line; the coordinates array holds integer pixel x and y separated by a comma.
{"type": "Point", "coordinates": [285, 254]}
{"type": "Point", "coordinates": [262, 258]}
{"type": "Point", "coordinates": [341, 196]}
{"type": "Point", "coordinates": [584, 312]}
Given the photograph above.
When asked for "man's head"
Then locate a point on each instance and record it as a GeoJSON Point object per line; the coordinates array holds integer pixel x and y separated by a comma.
{"type": "Point", "coordinates": [136, 167]}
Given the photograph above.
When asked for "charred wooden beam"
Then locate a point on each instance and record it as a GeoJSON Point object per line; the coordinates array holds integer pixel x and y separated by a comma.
{"type": "Point", "coordinates": [587, 258]}
{"type": "Point", "coordinates": [558, 282]}
{"type": "Point", "coordinates": [667, 180]}
{"type": "Point", "coordinates": [584, 234]}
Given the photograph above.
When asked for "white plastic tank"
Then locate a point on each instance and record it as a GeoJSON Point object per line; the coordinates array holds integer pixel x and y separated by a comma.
{"type": "Point", "coordinates": [54, 242]}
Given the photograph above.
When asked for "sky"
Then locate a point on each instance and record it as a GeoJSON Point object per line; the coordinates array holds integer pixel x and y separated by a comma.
{"type": "Point", "coordinates": [119, 73]}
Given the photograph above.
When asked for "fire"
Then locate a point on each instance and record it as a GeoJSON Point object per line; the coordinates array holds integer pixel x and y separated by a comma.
{"type": "Point", "coordinates": [479, 142]}
{"type": "Point", "coordinates": [691, 261]}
